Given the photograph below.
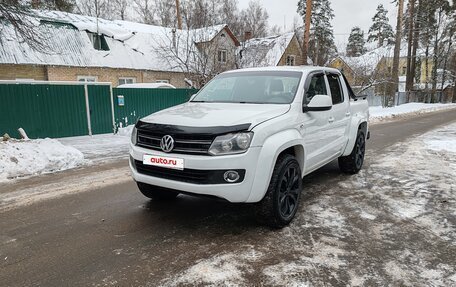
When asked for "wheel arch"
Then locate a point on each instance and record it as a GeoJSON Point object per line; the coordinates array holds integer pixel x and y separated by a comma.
{"type": "Point", "coordinates": [284, 142]}
{"type": "Point", "coordinates": [356, 125]}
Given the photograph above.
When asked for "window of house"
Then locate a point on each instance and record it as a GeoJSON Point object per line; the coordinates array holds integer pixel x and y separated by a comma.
{"type": "Point", "coordinates": [389, 70]}
{"type": "Point", "coordinates": [127, 80]}
{"type": "Point", "coordinates": [98, 41]}
{"type": "Point", "coordinates": [162, 81]}
{"type": "Point", "coordinates": [88, 79]}
{"type": "Point", "coordinates": [290, 60]}
{"type": "Point", "coordinates": [336, 90]}
{"type": "Point", "coordinates": [404, 70]}
{"type": "Point", "coordinates": [317, 86]}
{"type": "Point", "coordinates": [222, 35]}
{"type": "Point", "coordinates": [221, 56]}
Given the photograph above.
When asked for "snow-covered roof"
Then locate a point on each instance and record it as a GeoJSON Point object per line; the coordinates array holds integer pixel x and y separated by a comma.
{"type": "Point", "coordinates": [263, 52]}
{"type": "Point", "coordinates": [131, 45]}
{"type": "Point", "coordinates": [369, 61]}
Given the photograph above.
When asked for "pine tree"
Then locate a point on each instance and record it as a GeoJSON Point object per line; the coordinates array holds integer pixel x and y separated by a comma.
{"type": "Point", "coordinates": [356, 42]}
{"type": "Point", "coordinates": [321, 44]}
{"type": "Point", "coordinates": [381, 30]}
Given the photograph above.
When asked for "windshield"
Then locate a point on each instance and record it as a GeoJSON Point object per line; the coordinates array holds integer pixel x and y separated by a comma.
{"type": "Point", "coordinates": [271, 87]}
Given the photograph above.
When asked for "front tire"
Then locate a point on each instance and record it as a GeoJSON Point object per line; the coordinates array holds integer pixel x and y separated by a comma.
{"type": "Point", "coordinates": [279, 205]}
{"type": "Point", "coordinates": [156, 193]}
{"type": "Point", "coordinates": [353, 162]}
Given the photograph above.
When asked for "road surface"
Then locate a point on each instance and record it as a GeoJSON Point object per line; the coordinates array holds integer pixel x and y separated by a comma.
{"type": "Point", "coordinates": [113, 236]}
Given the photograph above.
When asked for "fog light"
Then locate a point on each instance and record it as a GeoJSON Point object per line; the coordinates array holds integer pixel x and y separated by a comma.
{"type": "Point", "coordinates": [231, 176]}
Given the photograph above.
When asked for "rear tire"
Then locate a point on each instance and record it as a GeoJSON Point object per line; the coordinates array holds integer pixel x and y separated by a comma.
{"type": "Point", "coordinates": [156, 193]}
{"type": "Point", "coordinates": [279, 205]}
{"type": "Point", "coordinates": [353, 162]}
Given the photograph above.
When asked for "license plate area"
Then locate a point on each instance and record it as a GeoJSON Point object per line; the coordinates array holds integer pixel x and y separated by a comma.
{"type": "Point", "coordinates": [163, 161]}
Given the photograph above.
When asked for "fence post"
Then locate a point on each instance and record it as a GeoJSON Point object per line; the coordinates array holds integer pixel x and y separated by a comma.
{"type": "Point", "coordinates": [86, 95]}
{"type": "Point", "coordinates": [112, 109]}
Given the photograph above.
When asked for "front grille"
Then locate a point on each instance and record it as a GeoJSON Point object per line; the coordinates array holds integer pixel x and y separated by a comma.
{"type": "Point", "coordinates": [196, 176]}
{"type": "Point", "coordinates": [185, 144]}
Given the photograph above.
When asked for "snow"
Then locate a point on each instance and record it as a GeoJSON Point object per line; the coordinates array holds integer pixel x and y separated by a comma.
{"type": "Point", "coordinates": [368, 62]}
{"type": "Point", "coordinates": [131, 45]}
{"type": "Point", "coordinates": [380, 113]}
{"type": "Point", "coordinates": [19, 158]}
{"type": "Point", "coordinates": [391, 224]}
{"type": "Point", "coordinates": [226, 269]}
{"type": "Point", "coordinates": [442, 140]}
{"type": "Point", "coordinates": [102, 148]}
{"type": "Point", "coordinates": [263, 52]}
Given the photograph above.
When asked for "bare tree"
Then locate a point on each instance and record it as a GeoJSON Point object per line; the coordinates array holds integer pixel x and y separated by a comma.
{"type": "Point", "coordinates": [95, 8]}
{"type": "Point", "coordinates": [18, 18]}
{"type": "Point", "coordinates": [120, 9]}
{"type": "Point", "coordinates": [255, 18]}
{"type": "Point", "coordinates": [199, 13]}
{"type": "Point", "coordinates": [166, 13]}
{"type": "Point", "coordinates": [145, 10]}
{"type": "Point", "coordinates": [230, 15]}
{"type": "Point", "coordinates": [192, 53]}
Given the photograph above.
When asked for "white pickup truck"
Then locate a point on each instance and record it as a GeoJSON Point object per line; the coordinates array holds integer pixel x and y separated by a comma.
{"type": "Point", "coordinates": [250, 136]}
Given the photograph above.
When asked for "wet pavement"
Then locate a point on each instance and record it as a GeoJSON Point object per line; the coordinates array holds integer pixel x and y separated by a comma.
{"type": "Point", "coordinates": [392, 224]}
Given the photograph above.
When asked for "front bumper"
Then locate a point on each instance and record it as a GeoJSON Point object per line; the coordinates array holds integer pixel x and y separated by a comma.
{"type": "Point", "coordinates": [233, 192]}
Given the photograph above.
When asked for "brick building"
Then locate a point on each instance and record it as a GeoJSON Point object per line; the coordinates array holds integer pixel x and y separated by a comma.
{"type": "Point", "coordinates": [82, 48]}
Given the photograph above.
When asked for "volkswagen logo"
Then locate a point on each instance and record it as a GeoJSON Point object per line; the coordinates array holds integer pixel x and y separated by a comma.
{"type": "Point", "coordinates": [167, 143]}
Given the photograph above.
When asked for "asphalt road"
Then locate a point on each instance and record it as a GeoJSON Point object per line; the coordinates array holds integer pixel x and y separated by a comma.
{"type": "Point", "coordinates": [114, 236]}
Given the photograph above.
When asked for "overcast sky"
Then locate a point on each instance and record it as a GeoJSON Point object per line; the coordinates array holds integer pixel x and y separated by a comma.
{"type": "Point", "coordinates": [348, 13]}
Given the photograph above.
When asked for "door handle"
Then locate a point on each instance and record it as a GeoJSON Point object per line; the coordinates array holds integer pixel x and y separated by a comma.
{"type": "Point", "coordinates": [347, 114]}
{"type": "Point", "coordinates": [331, 120]}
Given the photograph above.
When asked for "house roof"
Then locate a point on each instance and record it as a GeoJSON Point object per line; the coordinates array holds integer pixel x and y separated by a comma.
{"type": "Point", "coordinates": [131, 45]}
{"type": "Point", "coordinates": [263, 52]}
{"type": "Point", "coordinates": [368, 62]}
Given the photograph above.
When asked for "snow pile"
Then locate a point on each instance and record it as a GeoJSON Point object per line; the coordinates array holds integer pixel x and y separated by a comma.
{"type": "Point", "coordinates": [126, 131]}
{"type": "Point", "coordinates": [380, 113]}
{"type": "Point", "coordinates": [226, 269]}
{"type": "Point", "coordinates": [24, 158]}
{"type": "Point", "coordinates": [442, 140]}
{"type": "Point", "coordinates": [102, 148]}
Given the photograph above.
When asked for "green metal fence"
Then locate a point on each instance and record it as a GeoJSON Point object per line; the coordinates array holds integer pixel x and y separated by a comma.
{"type": "Point", "coordinates": [138, 103]}
{"type": "Point", "coordinates": [59, 109]}
{"type": "Point", "coordinates": [43, 110]}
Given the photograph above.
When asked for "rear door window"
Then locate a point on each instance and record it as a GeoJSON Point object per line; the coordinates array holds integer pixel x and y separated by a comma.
{"type": "Point", "coordinates": [336, 89]}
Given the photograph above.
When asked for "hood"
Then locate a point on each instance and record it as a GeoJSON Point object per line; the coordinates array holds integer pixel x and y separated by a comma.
{"type": "Point", "coordinates": [216, 114]}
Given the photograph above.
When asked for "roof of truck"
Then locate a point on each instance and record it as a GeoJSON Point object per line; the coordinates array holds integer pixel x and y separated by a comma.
{"type": "Point", "coordinates": [286, 68]}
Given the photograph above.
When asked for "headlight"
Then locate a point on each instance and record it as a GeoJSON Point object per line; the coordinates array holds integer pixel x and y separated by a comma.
{"type": "Point", "coordinates": [231, 143]}
{"type": "Point", "coordinates": [134, 136]}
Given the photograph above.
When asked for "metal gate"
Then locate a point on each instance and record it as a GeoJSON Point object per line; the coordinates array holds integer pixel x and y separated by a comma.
{"type": "Point", "coordinates": [100, 109]}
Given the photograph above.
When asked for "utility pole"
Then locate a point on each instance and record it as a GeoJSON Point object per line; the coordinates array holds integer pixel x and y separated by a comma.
{"type": "Point", "coordinates": [397, 49]}
{"type": "Point", "coordinates": [178, 15]}
{"type": "Point", "coordinates": [307, 31]}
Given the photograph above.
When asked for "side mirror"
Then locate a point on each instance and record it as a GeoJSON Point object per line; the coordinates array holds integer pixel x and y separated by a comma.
{"type": "Point", "coordinates": [318, 103]}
